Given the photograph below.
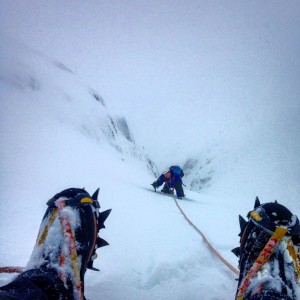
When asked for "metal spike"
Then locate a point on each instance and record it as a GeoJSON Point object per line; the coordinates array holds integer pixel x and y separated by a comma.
{"type": "Point", "coordinates": [95, 195]}
{"type": "Point", "coordinates": [101, 242]}
{"type": "Point", "coordinates": [236, 251]}
{"type": "Point", "coordinates": [243, 223]}
{"type": "Point", "coordinates": [257, 203]}
{"type": "Point", "coordinates": [90, 266]}
{"type": "Point", "coordinates": [93, 269]}
{"type": "Point", "coordinates": [101, 226]}
{"type": "Point", "coordinates": [102, 217]}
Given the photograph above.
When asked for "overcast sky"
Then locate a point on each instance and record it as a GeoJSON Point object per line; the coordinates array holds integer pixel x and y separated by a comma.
{"type": "Point", "coordinates": [185, 70]}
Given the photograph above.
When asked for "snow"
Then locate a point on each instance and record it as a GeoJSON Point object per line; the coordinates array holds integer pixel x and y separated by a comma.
{"type": "Point", "coordinates": [50, 247]}
{"type": "Point", "coordinates": [153, 252]}
{"type": "Point", "coordinates": [57, 132]}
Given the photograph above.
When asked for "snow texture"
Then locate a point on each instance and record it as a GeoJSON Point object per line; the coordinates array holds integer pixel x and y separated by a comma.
{"type": "Point", "coordinates": [56, 137]}
{"type": "Point", "coordinates": [48, 252]}
{"type": "Point", "coordinates": [57, 132]}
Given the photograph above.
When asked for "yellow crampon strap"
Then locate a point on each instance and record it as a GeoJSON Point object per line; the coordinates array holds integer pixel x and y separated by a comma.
{"type": "Point", "coordinates": [43, 236]}
{"type": "Point", "coordinates": [263, 257]}
{"type": "Point", "coordinates": [69, 237]}
{"type": "Point", "coordinates": [293, 254]}
{"type": "Point", "coordinates": [71, 244]}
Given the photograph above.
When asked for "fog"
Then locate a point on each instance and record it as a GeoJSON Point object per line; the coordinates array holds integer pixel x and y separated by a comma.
{"type": "Point", "coordinates": [216, 82]}
{"type": "Point", "coordinates": [183, 73]}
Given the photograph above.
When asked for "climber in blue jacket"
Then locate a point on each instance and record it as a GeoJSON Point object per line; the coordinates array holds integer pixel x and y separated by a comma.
{"type": "Point", "coordinates": [172, 180]}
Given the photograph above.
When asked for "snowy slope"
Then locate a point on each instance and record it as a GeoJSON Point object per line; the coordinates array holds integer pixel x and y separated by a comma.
{"type": "Point", "coordinates": [57, 133]}
{"type": "Point", "coordinates": [35, 89]}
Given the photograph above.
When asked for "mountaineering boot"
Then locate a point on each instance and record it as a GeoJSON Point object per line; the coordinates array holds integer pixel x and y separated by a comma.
{"type": "Point", "coordinates": [179, 189]}
{"type": "Point", "coordinates": [166, 189]}
{"type": "Point", "coordinates": [68, 239]}
{"type": "Point", "coordinates": [268, 261]}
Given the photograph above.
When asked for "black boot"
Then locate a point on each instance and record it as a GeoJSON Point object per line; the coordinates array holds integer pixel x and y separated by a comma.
{"type": "Point", "coordinates": [277, 275]}
{"type": "Point", "coordinates": [179, 189]}
{"type": "Point", "coordinates": [166, 189]}
{"type": "Point", "coordinates": [68, 237]}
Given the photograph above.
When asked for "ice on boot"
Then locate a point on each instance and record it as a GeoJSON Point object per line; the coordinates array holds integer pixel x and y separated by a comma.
{"type": "Point", "coordinates": [68, 237]}
{"type": "Point", "coordinates": [269, 266]}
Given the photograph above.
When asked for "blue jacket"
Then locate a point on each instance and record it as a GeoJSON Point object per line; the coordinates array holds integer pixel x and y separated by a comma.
{"type": "Point", "coordinates": [175, 174]}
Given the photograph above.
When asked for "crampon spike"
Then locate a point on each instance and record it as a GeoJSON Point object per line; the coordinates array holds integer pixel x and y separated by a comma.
{"type": "Point", "coordinates": [102, 218]}
{"type": "Point", "coordinates": [257, 203]}
{"type": "Point", "coordinates": [96, 193]}
{"type": "Point", "coordinates": [243, 223]}
{"type": "Point", "coordinates": [101, 242]}
{"type": "Point", "coordinates": [92, 268]}
{"type": "Point", "coordinates": [236, 251]}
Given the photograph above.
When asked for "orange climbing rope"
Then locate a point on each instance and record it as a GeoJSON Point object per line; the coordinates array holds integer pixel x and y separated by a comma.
{"type": "Point", "coordinates": [208, 244]}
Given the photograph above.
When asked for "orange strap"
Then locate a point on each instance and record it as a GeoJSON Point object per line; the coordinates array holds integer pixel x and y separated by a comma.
{"type": "Point", "coordinates": [11, 269]}
{"type": "Point", "coordinates": [263, 257]}
{"type": "Point", "coordinates": [45, 231]}
{"type": "Point", "coordinates": [69, 236]}
{"type": "Point", "coordinates": [293, 254]}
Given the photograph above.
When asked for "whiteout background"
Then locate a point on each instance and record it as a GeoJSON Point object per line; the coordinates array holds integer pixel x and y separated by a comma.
{"type": "Point", "coordinates": [214, 84]}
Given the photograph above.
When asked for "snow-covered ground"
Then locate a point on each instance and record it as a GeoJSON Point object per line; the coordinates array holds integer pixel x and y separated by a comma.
{"type": "Point", "coordinates": [52, 140]}
{"type": "Point", "coordinates": [58, 132]}
{"type": "Point", "coordinates": [153, 252]}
